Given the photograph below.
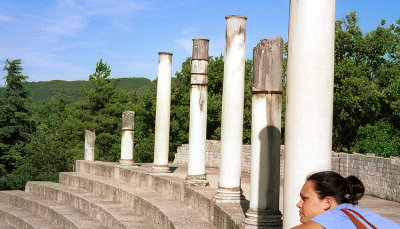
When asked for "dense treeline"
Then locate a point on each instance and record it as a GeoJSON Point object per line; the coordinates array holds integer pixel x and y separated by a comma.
{"type": "Point", "coordinates": [367, 92]}
{"type": "Point", "coordinates": [42, 91]}
{"type": "Point", "coordinates": [38, 140]}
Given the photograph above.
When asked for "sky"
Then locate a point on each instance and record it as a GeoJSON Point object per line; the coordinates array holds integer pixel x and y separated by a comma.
{"type": "Point", "coordinates": [64, 39]}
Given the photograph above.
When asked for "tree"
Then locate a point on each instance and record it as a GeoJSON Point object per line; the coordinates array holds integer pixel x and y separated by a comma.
{"type": "Point", "coordinates": [16, 124]}
{"type": "Point", "coordinates": [366, 93]}
{"type": "Point", "coordinates": [100, 112]}
{"type": "Point", "coordinates": [46, 154]}
{"type": "Point", "coordinates": [145, 115]}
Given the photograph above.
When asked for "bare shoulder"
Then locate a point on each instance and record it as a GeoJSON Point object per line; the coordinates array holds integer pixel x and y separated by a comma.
{"type": "Point", "coordinates": [309, 225]}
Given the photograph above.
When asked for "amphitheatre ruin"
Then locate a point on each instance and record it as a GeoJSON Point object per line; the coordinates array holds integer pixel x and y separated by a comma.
{"type": "Point", "coordinates": [220, 184]}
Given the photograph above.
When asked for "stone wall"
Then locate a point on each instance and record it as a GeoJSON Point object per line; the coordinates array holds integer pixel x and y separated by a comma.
{"type": "Point", "coordinates": [381, 176]}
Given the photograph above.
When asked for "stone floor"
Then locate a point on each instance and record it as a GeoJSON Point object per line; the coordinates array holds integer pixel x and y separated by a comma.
{"type": "Point", "coordinates": [388, 209]}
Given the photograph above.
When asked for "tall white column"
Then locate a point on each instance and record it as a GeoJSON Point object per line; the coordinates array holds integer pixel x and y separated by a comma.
{"type": "Point", "coordinates": [229, 189]}
{"type": "Point", "coordinates": [198, 114]}
{"type": "Point", "coordinates": [127, 138]}
{"type": "Point", "coordinates": [309, 107]}
{"type": "Point", "coordinates": [163, 107]}
{"type": "Point", "coordinates": [90, 139]}
{"type": "Point", "coordinates": [266, 135]}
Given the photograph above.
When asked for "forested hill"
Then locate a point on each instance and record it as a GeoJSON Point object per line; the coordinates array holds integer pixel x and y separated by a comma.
{"type": "Point", "coordinates": [42, 91]}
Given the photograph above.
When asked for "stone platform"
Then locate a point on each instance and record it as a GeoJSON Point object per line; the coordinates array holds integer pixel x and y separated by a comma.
{"type": "Point", "coordinates": [106, 195]}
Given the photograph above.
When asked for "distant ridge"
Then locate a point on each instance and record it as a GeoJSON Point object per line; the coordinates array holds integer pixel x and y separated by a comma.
{"type": "Point", "coordinates": [43, 91]}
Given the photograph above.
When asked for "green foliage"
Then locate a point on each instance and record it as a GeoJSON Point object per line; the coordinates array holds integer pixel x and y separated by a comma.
{"type": "Point", "coordinates": [366, 96]}
{"type": "Point", "coordinates": [145, 115]}
{"type": "Point", "coordinates": [382, 139]}
{"type": "Point", "coordinates": [46, 155]}
{"type": "Point", "coordinates": [42, 92]}
{"type": "Point", "coordinates": [100, 112]}
{"type": "Point", "coordinates": [215, 82]}
{"type": "Point", "coordinates": [16, 124]}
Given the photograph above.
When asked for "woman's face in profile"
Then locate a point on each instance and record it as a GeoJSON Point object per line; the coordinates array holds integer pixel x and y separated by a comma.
{"type": "Point", "coordinates": [310, 205]}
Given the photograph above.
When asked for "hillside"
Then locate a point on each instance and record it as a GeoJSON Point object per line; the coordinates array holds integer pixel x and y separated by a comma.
{"type": "Point", "coordinates": [44, 90]}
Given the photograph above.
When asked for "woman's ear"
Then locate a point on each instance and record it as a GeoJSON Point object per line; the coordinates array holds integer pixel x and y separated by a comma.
{"type": "Point", "coordinates": [329, 203]}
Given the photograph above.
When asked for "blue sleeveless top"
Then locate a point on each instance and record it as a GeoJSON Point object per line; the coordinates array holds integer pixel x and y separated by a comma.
{"type": "Point", "coordinates": [337, 219]}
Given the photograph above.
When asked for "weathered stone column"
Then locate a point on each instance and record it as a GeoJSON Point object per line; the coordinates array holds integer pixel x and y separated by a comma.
{"type": "Point", "coordinates": [309, 107]}
{"type": "Point", "coordinates": [198, 114]}
{"type": "Point", "coordinates": [90, 140]}
{"type": "Point", "coordinates": [127, 138]}
{"type": "Point", "coordinates": [163, 106]}
{"type": "Point", "coordinates": [266, 135]}
{"type": "Point", "coordinates": [229, 189]}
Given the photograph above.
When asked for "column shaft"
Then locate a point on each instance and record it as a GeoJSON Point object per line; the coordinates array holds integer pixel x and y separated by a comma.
{"type": "Point", "coordinates": [90, 139]}
{"type": "Point", "coordinates": [198, 114]}
{"type": "Point", "coordinates": [232, 111]}
{"type": "Point", "coordinates": [309, 107]}
{"type": "Point", "coordinates": [127, 138]}
{"type": "Point", "coordinates": [163, 106]}
{"type": "Point", "coordinates": [265, 135]}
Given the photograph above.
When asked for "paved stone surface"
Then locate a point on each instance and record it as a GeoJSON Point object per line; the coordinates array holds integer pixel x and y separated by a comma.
{"type": "Point", "coordinates": [388, 209]}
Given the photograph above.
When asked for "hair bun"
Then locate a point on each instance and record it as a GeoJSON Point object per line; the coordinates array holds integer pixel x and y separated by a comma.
{"type": "Point", "coordinates": [356, 189]}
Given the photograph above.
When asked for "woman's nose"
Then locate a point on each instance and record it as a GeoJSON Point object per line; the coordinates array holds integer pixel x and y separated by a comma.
{"type": "Point", "coordinates": [299, 204]}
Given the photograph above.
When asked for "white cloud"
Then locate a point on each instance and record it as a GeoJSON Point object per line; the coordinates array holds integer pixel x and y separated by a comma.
{"type": "Point", "coordinates": [189, 31]}
{"type": "Point", "coordinates": [115, 7]}
{"type": "Point", "coordinates": [4, 18]}
{"type": "Point", "coordinates": [51, 37]}
{"type": "Point", "coordinates": [185, 43]}
{"type": "Point", "coordinates": [64, 25]}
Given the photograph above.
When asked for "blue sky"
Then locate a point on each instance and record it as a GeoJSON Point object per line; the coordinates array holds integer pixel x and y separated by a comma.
{"type": "Point", "coordinates": [64, 39]}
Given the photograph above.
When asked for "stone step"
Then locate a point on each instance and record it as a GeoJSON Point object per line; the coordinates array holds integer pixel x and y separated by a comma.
{"type": "Point", "coordinates": [61, 215]}
{"type": "Point", "coordinates": [161, 208]}
{"type": "Point", "coordinates": [199, 198]}
{"type": "Point", "coordinates": [13, 217]}
{"type": "Point", "coordinates": [6, 226]}
{"type": "Point", "coordinates": [110, 213]}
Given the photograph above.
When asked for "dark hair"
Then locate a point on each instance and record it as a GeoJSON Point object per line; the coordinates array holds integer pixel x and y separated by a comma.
{"type": "Point", "coordinates": [344, 190]}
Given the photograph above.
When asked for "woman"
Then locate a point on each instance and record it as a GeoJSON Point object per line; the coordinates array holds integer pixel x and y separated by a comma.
{"type": "Point", "coordinates": [328, 200]}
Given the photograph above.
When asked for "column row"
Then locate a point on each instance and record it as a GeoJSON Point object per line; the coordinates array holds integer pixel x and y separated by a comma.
{"type": "Point", "coordinates": [308, 113]}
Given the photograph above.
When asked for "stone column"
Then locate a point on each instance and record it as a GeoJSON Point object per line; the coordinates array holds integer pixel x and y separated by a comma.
{"type": "Point", "coordinates": [127, 138]}
{"type": "Point", "coordinates": [198, 114]}
{"type": "Point", "coordinates": [229, 189]}
{"type": "Point", "coordinates": [309, 107]}
{"type": "Point", "coordinates": [90, 139]}
{"type": "Point", "coordinates": [266, 135]}
{"type": "Point", "coordinates": [163, 106]}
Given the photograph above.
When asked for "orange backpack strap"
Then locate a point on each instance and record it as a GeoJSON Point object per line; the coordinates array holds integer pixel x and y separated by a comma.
{"type": "Point", "coordinates": [357, 222]}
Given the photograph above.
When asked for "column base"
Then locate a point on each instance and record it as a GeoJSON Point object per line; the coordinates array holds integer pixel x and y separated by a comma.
{"type": "Point", "coordinates": [160, 170]}
{"type": "Point", "coordinates": [262, 219]}
{"type": "Point", "coordinates": [127, 162]}
{"type": "Point", "coordinates": [196, 180]}
{"type": "Point", "coordinates": [228, 195]}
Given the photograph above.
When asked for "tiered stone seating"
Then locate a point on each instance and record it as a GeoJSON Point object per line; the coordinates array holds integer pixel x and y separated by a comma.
{"type": "Point", "coordinates": [147, 187]}
{"type": "Point", "coordinates": [106, 195]}
{"type": "Point", "coordinates": [13, 217]}
{"type": "Point", "coordinates": [108, 212]}
{"type": "Point", "coordinates": [59, 214]}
